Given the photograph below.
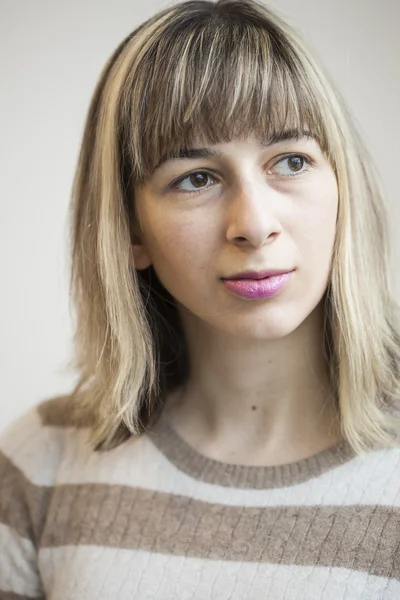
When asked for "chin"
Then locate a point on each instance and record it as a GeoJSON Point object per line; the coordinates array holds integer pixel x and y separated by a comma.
{"type": "Point", "coordinates": [262, 327]}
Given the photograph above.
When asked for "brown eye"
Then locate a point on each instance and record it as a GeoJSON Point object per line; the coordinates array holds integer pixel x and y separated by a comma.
{"type": "Point", "coordinates": [296, 163]}
{"type": "Point", "coordinates": [290, 166]}
{"type": "Point", "coordinates": [197, 181]}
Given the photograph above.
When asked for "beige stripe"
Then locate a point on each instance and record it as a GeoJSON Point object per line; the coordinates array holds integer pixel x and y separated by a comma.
{"type": "Point", "coordinates": [22, 504]}
{"type": "Point", "coordinates": [363, 538]}
{"type": "Point", "coordinates": [89, 573]}
{"type": "Point", "coordinates": [137, 569]}
{"type": "Point", "coordinates": [18, 564]}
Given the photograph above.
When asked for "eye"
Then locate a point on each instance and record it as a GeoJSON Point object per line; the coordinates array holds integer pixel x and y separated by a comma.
{"type": "Point", "coordinates": [292, 165]}
{"type": "Point", "coordinates": [195, 182]}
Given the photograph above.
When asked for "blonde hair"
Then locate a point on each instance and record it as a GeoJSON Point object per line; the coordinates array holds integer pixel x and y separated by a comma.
{"type": "Point", "coordinates": [214, 71]}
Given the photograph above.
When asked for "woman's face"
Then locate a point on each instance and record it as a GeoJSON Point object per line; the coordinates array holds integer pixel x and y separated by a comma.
{"type": "Point", "coordinates": [246, 207]}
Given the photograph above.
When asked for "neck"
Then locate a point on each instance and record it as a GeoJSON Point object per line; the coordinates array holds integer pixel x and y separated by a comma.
{"type": "Point", "coordinates": [256, 401]}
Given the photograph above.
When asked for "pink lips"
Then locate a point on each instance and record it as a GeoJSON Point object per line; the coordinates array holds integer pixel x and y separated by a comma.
{"type": "Point", "coordinates": [257, 285]}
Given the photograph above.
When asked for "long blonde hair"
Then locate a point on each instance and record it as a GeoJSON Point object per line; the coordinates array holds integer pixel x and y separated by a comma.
{"type": "Point", "coordinates": [214, 71]}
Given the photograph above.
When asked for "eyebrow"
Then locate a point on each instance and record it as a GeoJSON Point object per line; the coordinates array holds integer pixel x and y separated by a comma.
{"type": "Point", "coordinates": [282, 136]}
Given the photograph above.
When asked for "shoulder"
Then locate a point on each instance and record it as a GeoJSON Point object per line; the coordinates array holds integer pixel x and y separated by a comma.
{"type": "Point", "coordinates": [32, 446]}
{"type": "Point", "coordinates": [50, 446]}
{"type": "Point", "coordinates": [32, 449]}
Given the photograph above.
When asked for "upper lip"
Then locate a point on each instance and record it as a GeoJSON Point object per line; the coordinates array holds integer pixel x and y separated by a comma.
{"type": "Point", "coordinates": [258, 274]}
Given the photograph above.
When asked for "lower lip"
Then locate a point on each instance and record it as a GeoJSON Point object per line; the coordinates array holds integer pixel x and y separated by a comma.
{"type": "Point", "coordinates": [258, 288]}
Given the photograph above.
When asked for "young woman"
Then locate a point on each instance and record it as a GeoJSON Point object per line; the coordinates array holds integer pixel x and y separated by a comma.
{"type": "Point", "coordinates": [234, 432]}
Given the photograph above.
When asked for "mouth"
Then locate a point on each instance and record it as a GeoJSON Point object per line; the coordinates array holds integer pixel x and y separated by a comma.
{"type": "Point", "coordinates": [257, 275]}
{"type": "Point", "coordinates": [257, 286]}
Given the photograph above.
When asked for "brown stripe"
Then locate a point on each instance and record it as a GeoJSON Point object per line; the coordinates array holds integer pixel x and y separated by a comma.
{"type": "Point", "coordinates": [62, 411]}
{"type": "Point", "coordinates": [12, 596]}
{"type": "Point", "coordinates": [188, 460]}
{"type": "Point", "coordinates": [22, 504]}
{"type": "Point", "coordinates": [363, 538]}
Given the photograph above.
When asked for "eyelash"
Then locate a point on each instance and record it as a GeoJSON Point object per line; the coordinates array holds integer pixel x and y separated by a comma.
{"type": "Point", "coordinates": [174, 185]}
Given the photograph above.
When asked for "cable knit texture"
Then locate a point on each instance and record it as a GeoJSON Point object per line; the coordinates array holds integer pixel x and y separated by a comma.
{"type": "Point", "coordinates": [153, 518]}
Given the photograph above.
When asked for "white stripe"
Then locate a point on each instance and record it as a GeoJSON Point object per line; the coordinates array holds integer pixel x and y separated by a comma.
{"type": "Point", "coordinates": [34, 449]}
{"type": "Point", "coordinates": [18, 564]}
{"type": "Point", "coordinates": [99, 573]}
{"type": "Point", "coordinates": [53, 454]}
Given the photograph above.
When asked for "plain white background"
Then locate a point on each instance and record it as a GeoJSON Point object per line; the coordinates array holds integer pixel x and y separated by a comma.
{"type": "Point", "coordinates": [51, 55]}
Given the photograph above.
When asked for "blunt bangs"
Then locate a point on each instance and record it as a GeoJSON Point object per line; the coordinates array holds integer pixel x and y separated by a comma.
{"type": "Point", "coordinates": [213, 78]}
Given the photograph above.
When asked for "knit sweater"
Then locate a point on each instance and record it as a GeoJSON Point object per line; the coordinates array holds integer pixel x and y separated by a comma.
{"type": "Point", "coordinates": [154, 519]}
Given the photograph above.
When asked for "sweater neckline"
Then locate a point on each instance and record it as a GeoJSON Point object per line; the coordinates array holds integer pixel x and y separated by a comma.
{"type": "Point", "coordinates": [198, 466]}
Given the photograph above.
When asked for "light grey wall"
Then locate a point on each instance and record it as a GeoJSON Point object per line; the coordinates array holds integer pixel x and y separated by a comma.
{"type": "Point", "coordinates": [51, 53]}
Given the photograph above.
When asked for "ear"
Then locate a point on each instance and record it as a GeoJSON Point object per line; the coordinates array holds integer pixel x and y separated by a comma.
{"type": "Point", "coordinates": [139, 255]}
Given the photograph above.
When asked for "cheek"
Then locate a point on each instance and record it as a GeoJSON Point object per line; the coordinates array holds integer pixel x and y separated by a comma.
{"type": "Point", "coordinates": [181, 248]}
{"type": "Point", "coordinates": [315, 236]}
{"type": "Point", "coordinates": [318, 229]}
{"type": "Point", "coordinates": [316, 222]}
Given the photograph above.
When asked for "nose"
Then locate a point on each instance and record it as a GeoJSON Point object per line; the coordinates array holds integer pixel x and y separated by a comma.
{"type": "Point", "coordinates": [252, 215]}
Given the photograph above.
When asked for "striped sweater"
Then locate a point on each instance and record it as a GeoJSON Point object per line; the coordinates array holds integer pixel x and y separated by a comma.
{"type": "Point", "coordinates": [153, 518]}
